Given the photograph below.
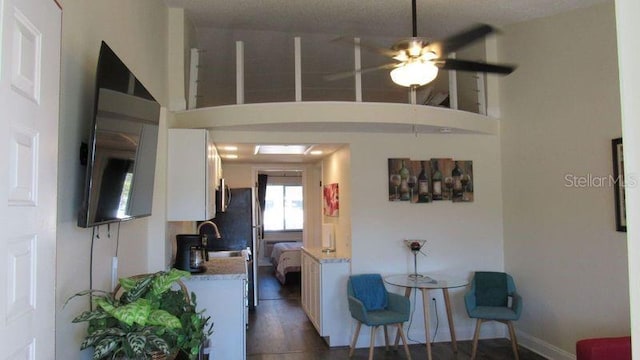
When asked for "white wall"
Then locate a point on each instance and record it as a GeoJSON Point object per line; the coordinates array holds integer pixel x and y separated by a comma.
{"type": "Point", "coordinates": [176, 58]}
{"type": "Point", "coordinates": [237, 175]}
{"type": "Point", "coordinates": [337, 169]}
{"type": "Point", "coordinates": [182, 37]}
{"type": "Point", "coordinates": [629, 56]}
{"type": "Point", "coordinates": [461, 237]}
{"type": "Point", "coordinates": [560, 110]}
{"type": "Point", "coordinates": [137, 31]}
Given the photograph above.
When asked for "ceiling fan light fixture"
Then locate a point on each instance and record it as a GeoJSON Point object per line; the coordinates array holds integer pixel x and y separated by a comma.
{"type": "Point", "coordinates": [414, 73]}
{"type": "Point", "coordinates": [415, 49]}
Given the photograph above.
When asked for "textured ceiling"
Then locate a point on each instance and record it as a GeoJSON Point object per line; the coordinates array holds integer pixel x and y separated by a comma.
{"type": "Point", "coordinates": [392, 18]}
{"type": "Point", "coordinates": [267, 28]}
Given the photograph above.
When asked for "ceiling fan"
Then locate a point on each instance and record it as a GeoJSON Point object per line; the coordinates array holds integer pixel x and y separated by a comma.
{"type": "Point", "coordinates": [418, 61]}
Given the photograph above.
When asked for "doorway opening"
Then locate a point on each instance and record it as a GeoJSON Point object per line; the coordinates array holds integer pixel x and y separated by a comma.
{"type": "Point", "coordinates": [286, 209]}
{"type": "Point", "coordinates": [281, 195]}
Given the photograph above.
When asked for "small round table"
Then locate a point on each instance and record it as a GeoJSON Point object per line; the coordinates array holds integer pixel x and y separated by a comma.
{"type": "Point", "coordinates": [426, 283]}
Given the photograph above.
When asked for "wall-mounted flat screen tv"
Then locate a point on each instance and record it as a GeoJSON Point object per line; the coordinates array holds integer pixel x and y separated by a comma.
{"type": "Point", "coordinates": [122, 146]}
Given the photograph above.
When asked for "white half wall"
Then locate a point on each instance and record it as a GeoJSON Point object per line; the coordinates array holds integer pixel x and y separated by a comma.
{"type": "Point", "coordinates": [561, 109]}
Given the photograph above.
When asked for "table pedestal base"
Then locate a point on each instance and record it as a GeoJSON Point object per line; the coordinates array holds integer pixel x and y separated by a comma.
{"type": "Point", "coordinates": [425, 304]}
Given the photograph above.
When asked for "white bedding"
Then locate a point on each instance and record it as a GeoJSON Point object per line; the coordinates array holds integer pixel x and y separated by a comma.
{"type": "Point", "coordinates": [286, 258]}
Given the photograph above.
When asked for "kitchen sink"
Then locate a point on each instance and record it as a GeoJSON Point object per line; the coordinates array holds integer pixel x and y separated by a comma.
{"type": "Point", "coordinates": [226, 254]}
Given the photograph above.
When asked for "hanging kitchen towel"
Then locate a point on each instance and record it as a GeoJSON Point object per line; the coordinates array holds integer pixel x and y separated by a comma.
{"type": "Point", "coordinates": [328, 240]}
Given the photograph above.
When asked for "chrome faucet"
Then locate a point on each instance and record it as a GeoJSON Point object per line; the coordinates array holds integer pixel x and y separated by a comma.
{"type": "Point", "coordinates": [215, 227]}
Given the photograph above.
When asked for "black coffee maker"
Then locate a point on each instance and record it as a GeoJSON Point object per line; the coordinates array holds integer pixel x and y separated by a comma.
{"type": "Point", "coordinates": [191, 252]}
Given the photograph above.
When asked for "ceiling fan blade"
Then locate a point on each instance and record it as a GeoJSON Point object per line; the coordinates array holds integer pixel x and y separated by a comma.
{"type": "Point", "coordinates": [460, 40]}
{"type": "Point", "coordinates": [367, 46]}
{"type": "Point", "coordinates": [346, 74]}
{"type": "Point", "coordinates": [465, 65]}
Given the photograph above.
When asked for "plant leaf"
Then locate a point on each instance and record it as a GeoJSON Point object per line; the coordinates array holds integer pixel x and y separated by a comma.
{"type": "Point", "coordinates": [164, 281]}
{"type": "Point", "coordinates": [136, 312]}
{"type": "Point", "coordinates": [105, 305]}
{"type": "Point", "coordinates": [137, 342]}
{"type": "Point", "coordinates": [138, 290]}
{"type": "Point", "coordinates": [98, 335]}
{"type": "Point", "coordinates": [89, 340]}
{"type": "Point", "coordinates": [104, 347]}
{"type": "Point", "coordinates": [127, 283]}
{"type": "Point", "coordinates": [158, 343]}
{"type": "Point", "coordinates": [164, 318]}
{"type": "Point", "coordinates": [91, 315]}
{"type": "Point", "coordinates": [83, 293]}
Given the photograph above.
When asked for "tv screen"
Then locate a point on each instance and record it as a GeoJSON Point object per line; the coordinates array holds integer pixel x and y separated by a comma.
{"type": "Point", "coordinates": [122, 146]}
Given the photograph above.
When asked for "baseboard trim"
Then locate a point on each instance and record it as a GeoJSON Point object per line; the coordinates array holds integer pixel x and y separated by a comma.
{"type": "Point", "coordinates": [489, 330]}
{"type": "Point", "coordinates": [542, 347]}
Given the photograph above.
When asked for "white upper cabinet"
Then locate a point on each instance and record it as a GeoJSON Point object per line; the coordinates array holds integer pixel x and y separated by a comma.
{"type": "Point", "coordinates": [193, 175]}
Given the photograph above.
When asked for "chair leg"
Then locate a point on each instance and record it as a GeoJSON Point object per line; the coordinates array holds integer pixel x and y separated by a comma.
{"type": "Point", "coordinates": [373, 341]}
{"type": "Point", "coordinates": [386, 339]}
{"type": "Point", "coordinates": [514, 341]}
{"type": "Point", "coordinates": [355, 338]}
{"type": "Point", "coordinates": [476, 335]}
{"type": "Point", "coordinates": [404, 341]}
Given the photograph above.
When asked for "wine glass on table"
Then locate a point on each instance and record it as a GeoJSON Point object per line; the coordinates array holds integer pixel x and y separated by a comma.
{"type": "Point", "coordinates": [413, 180]}
{"type": "Point", "coordinates": [395, 181]}
{"type": "Point", "coordinates": [448, 184]}
{"type": "Point", "coordinates": [465, 179]}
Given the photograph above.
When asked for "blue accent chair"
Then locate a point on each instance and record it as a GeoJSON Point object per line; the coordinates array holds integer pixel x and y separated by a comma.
{"type": "Point", "coordinates": [493, 296]}
{"type": "Point", "coordinates": [372, 305]}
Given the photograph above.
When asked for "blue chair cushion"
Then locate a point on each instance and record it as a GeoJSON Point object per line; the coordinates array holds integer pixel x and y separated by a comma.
{"type": "Point", "coordinates": [384, 317]}
{"type": "Point", "coordinates": [491, 288]}
{"type": "Point", "coordinates": [370, 290]}
{"type": "Point", "coordinates": [493, 313]}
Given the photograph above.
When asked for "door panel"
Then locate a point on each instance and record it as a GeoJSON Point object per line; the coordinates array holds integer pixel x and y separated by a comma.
{"type": "Point", "coordinates": [29, 99]}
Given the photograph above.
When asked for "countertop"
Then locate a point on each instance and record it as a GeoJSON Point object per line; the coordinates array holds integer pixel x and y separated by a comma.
{"type": "Point", "coordinates": [230, 268]}
{"type": "Point", "coordinates": [326, 257]}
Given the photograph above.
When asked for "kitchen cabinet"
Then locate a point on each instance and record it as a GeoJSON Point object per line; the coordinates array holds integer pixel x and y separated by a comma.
{"type": "Point", "coordinates": [193, 174]}
{"type": "Point", "coordinates": [221, 292]}
{"type": "Point", "coordinates": [324, 294]}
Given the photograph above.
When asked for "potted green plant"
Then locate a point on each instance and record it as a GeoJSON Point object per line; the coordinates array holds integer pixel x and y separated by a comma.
{"type": "Point", "coordinates": [147, 317]}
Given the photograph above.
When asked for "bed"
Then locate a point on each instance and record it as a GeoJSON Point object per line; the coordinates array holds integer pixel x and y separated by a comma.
{"type": "Point", "coordinates": [285, 258]}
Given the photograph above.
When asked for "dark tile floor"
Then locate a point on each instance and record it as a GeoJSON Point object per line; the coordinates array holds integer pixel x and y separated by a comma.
{"type": "Point", "coordinates": [279, 330]}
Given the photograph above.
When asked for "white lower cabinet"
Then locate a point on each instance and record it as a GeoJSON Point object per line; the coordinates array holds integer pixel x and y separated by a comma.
{"type": "Point", "coordinates": [324, 295]}
{"type": "Point", "coordinates": [224, 301]}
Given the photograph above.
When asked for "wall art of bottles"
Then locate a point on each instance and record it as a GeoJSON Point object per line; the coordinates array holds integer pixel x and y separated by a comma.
{"type": "Point", "coordinates": [425, 181]}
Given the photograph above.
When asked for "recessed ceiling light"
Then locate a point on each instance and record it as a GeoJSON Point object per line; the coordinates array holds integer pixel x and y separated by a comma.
{"type": "Point", "coordinates": [316, 152]}
{"type": "Point", "coordinates": [229, 156]}
{"type": "Point", "coordinates": [230, 148]}
{"type": "Point", "coordinates": [280, 149]}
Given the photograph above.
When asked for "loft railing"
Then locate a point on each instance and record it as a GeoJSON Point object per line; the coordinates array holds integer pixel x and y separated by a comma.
{"type": "Point", "coordinates": [472, 92]}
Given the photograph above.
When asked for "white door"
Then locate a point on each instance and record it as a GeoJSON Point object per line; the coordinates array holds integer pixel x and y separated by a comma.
{"type": "Point", "coordinates": [29, 97]}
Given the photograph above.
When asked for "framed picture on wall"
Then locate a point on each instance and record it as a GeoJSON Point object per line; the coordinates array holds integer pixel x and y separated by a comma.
{"type": "Point", "coordinates": [331, 196]}
{"type": "Point", "coordinates": [618, 185]}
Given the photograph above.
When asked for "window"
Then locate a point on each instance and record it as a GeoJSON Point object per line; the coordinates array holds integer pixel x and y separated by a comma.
{"type": "Point", "coordinates": [283, 208]}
